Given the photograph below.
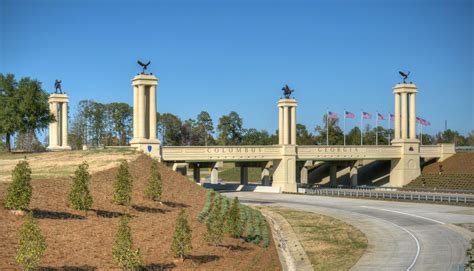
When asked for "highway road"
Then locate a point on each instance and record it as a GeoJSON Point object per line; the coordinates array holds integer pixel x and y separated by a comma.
{"type": "Point", "coordinates": [401, 235]}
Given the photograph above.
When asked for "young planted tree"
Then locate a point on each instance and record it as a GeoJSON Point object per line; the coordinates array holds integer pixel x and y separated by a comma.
{"type": "Point", "coordinates": [233, 221]}
{"type": "Point", "coordinates": [153, 189]}
{"type": "Point", "coordinates": [19, 191]}
{"type": "Point", "coordinates": [123, 252]}
{"type": "Point", "coordinates": [123, 185]}
{"type": "Point", "coordinates": [215, 223]}
{"type": "Point", "coordinates": [207, 206]}
{"type": "Point", "coordinates": [32, 244]}
{"type": "Point", "coordinates": [80, 197]}
{"type": "Point", "coordinates": [182, 236]}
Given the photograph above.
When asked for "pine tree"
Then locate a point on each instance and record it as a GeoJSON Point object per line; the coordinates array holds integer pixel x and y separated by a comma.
{"type": "Point", "coordinates": [249, 225]}
{"type": "Point", "coordinates": [154, 187]}
{"type": "Point", "coordinates": [233, 221]}
{"type": "Point", "coordinates": [207, 206]}
{"type": "Point", "coordinates": [215, 223]}
{"type": "Point", "coordinates": [19, 191]}
{"type": "Point", "coordinates": [123, 252]}
{"type": "Point", "coordinates": [32, 244]}
{"type": "Point", "coordinates": [256, 225]}
{"type": "Point", "coordinates": [182, 236]}
{"type": "Point", "coordinates": [123, 185]}
{"type": "Point", "coordinates": [80, 197]}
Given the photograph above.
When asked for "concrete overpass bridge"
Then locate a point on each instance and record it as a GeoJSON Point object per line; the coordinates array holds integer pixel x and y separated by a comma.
{"type": "Point", "coordinates": [287, 161]}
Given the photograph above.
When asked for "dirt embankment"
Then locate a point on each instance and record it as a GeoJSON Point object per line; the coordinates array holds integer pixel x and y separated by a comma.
{"type": "Point", "coordinates": [79, 240]}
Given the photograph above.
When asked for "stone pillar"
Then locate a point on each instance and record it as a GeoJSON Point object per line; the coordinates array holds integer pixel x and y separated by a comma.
{"type": "Point", "coordinates": [196, 174]}
{"type": "Point", "coordinates": [407, 167]}
{"type": "Point", "coordinates": [58, 129]}
{"type": "Point", "coordinates": [153, 112]}
{"type": "Point", "coordinates": [244, 175]}
{"type": "Point", "coordinates": [280, 126]}
{"type": "Point", "coordinates": [64, 123]}
{"type": "Point", "coordinates": [53, 126]}
{"type": "Point", "coordinates": [304, 175]}
{"type": "Point", "coordinates": [333, 175]}
{"type": "Point", "coordinates": [135, 111]}
{"type": "Point", "coordinates": [144, 115]}
{"type": "Point", "coordinates": [354, 171]}
{"type": "Point", "coordinates": [141, 111]}
{"type": "Point", "coordinates": [397, 116]}
{"type": "Point", "coordinates": [412, 116]}
{"type": "Point", "coordinates": [404, 128]}
{"type": "Point", "coordinates": [286, 131]}
{"type": "Point", "coordinates": [287, 121]}
{"type": "Point", "coordinates": [284, 169]}
{"type": "Point", "coordinates": [293, 125]}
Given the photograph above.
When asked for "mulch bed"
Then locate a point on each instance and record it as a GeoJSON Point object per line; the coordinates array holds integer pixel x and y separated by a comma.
{"type": "Point", "coordinates": [460, 163]}
{"type": "Point", "coordinates": [80, 241]}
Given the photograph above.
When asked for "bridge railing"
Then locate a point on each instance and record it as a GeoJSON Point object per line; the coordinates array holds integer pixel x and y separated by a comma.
{"type": "Point", "coordinates": [393, 195]}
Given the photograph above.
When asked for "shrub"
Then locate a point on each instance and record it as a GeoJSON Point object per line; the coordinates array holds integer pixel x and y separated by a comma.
{"type": "Point", "coordinates": [207, 206]}
{"type": "Point", "coordinates": [123, 185]}
{"type": "Point", "coordinates": [80, 197]}
{"type": "Point", "coordinates": [153, 189]}
{"type": "Point", "coordinates": [265, 235]}
{"type": "Point", "coordinates": [249, 225]}
{"type": "Point", "coordinates": [215, 223]}
{"type": "Point", "coordinates": [233, 221]}
{"type": "Point", "coordinates": [181, 244]}
{"type": "Point", "coordinates": [123, 252]}
{"type": "Point", "coordinates": [257, 221]}
{"type": "Point", "coordinates": [32, 244]}
{"type": "Point", "coordinates": [19, 191]}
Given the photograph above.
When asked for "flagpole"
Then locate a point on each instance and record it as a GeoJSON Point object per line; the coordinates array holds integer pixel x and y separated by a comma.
{"type": "Point", "coordinates": [361, 140]}
{"type": "Point", "coordinates": [389, 125]}
{"type": "Point", "coordinates": [377, 128]}
{"type": "Point", "coordinates": [327, 127]}
{"type": "Point", "coordinates": [421, 134]}
{"type": "Point", "coordinates": [344, 127]}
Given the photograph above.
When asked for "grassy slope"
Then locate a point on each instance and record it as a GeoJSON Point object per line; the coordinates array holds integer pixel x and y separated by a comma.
{"type": "Point", "coordinates": [329, 243]}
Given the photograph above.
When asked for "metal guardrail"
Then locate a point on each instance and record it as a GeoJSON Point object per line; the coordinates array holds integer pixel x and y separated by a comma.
{"type": "Point", "coordinates": [460, 198]}
{"type": "Point", "coordinates": [388, 188]}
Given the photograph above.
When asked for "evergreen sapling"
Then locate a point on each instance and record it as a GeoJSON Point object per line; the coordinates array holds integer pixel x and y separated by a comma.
{"type": "Point", "coordinates": [182, 236]}
{"type": "Point", "coordinates": [123, 185]}
{"type": "Point", "coordinates": [154, 187]}
{"type": "Point", "coordinates": [80, 198]}
{"type": "Point", "coordinates": [123, 252]}
{"type": "Point", "coordinates": [215, 223]}
{"type": "Point", "coordinates": [32, 244]}
{"type": "Point", "coordinates": [19, 191]}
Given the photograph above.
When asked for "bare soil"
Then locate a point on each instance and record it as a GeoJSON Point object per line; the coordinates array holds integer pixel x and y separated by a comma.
{"type": "Point", "coordinates": [83, 241]}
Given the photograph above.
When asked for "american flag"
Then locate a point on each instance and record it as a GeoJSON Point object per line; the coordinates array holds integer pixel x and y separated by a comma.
{"type": "Point", "coordinates": [419, 120]}
{"type": "Point", "coordinates": [350, 115]}
{"type": "Point", "coordinates": [392, 117]}
{"type": "Point", "coordinates": [380, 116]}
{"type": "Point", "coordinates": [332, 115]}
{"type": "Point", "coordinates": [427, 123]}
{"type": "Point", "coordinates": [366, 115]}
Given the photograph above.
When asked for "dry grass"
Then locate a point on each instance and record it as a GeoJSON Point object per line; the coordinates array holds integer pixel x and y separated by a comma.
{"type": "Point", "coordinates": [329, 243]}
{"type": "Point", "coordinates": [48, 165]}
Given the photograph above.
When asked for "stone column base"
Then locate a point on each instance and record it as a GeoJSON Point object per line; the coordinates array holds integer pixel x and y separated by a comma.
{"type": "Point", "coordinates": [147, 146]}
{"type": "Point", "coordinates": [59, 148]}
{"type": "Point", "coordinates": [284, 170]}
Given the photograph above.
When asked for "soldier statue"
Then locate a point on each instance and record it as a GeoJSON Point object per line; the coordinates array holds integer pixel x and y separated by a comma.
{"type": "Point", "coordinates": [57, 86]}
{"type": "Point", "coordinates": [287, 91]}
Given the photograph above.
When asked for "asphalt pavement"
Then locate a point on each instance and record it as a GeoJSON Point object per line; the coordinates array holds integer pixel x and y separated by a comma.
{"type": "Point", "coordinates": [401, 235]}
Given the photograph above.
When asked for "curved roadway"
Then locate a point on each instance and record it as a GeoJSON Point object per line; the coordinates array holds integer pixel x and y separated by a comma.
{"type": "Point", "coordinates": [401, 235]}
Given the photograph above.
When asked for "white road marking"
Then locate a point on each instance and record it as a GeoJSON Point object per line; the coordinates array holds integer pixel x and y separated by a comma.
{"type": "Point", "coordinates": [416, 241]}
{"type": "Point", "coordinates": [403, 213]}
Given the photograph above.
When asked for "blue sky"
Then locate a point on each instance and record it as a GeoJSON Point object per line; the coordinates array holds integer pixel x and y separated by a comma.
{"type": "Point", "coordinates": [220, 56]}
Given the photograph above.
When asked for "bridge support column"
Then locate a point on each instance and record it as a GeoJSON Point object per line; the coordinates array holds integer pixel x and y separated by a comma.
{"type": "Point", "coordinates": [406, 168]}
{"type": "Point", "coordinates": [244, 175]}
{"type": "Point", "coordinates": [333, 174]}
{"type": "Point", "coordinates": [284, 175]}
{"type": "Point", "coordinates": [215, 172]}
{"type": "Point", "coordinates": [354, 171]}
{"type": "Point", "coordinates": [265, 176]}
{"type": "Point", "coordinates": [196, 174]}
{"type": "Point", "coordinates": [144, 115]}
{"type": "Point", "coordinates": [181, 168]}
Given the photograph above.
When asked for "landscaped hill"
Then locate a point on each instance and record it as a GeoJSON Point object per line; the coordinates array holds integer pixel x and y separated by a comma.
{"type": "Point", "coordinates": [79, 240]}
{"type": "Point", "coordinates": [457, 173]}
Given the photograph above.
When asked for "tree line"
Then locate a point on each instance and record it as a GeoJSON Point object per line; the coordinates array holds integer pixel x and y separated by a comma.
{"type": "Point", "coordinates": [24, 112]}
